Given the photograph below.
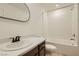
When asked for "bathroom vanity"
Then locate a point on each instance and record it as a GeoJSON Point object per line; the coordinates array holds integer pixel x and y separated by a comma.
{"type": "Point", "coordinates": [39, 50]}
{"type": "Point", "coordinates": [29, 46]}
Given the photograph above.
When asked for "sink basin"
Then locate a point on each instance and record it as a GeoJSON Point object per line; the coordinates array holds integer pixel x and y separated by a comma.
{"type": "Point", "coordinates": [17, 45]}
{"type": "Point", "coordinates": [23, 43]}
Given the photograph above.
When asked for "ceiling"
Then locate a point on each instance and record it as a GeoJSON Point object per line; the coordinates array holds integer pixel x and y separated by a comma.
{"type": "Point", "coordinates": [52, 6]}
{"type": "Point", "coordinates": [46, 6]}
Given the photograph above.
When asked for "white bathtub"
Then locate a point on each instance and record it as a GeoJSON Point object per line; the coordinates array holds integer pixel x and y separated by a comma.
{"type": "Point", "coordinates": [65, 47]}
{"type": "Point", "coordinates": [67, 42]}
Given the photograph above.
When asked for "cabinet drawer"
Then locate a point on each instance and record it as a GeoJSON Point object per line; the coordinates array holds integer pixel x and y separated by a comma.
{"type": "Point", "coordinates": [42, 45]}
{"type": "Point", "coordinates": [32, 52]}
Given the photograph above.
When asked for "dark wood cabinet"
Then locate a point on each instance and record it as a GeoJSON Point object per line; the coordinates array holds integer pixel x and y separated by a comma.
{"type": "Point", "coordinates": [33, 52]}
{"type": "Point", "coordinates": [42, 52]}
{"type": "Point", "coordinates": [39, 50]}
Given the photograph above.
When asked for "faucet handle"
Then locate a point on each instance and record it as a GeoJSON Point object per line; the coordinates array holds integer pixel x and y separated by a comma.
{"type": "Point", "coordinates": [18, 38]}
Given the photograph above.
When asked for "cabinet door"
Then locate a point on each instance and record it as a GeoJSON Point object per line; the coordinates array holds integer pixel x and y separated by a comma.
{"type": "Point", "coordinates": [33, 52]}
{"type": "Point", "coordinates": [41, 48]}
{"type": "Point", "coordinates": [42, 45]}
{"type": "Point", "coordinates": [42, 52]}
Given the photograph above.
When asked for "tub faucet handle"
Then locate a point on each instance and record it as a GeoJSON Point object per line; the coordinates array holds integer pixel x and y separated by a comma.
{"type": "Point", "coordinates": [72, 39]}
{"type": "Point", "coordinates": [73, 35]}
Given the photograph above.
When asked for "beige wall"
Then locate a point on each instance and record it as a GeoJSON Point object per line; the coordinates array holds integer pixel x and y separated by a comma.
{"type": "Point", "coordinates": [10, 28]}
{"type": "Point", "coordinates": [32, 27]}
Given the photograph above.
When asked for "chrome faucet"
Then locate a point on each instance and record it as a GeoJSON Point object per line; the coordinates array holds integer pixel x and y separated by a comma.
{"type": "Point", "coordinates": [15, 39]}
{"type": "Point", "coordinates": [73, 37]}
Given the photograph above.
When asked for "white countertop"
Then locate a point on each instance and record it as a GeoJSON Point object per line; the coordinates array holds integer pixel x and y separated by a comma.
{"type": "Point", "coordinates": [20, 52]}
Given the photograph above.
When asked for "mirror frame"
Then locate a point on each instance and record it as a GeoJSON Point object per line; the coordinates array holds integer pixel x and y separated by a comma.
{"type": "Point", "coordinates": [17, 19]}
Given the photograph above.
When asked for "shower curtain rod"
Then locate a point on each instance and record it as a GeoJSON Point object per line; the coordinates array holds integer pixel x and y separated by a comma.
{"type": "Point", "coordinates": [60, 8]}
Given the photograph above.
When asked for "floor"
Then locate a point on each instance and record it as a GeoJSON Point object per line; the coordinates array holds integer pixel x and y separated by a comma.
{"type": "Point", "coordinates": [54, 53]}
{"type": "Point", "coordinates": [51, 50]}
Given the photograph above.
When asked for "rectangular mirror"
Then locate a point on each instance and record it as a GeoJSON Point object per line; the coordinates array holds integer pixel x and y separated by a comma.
{"type": "Point", "coordinates": [14, 11]}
